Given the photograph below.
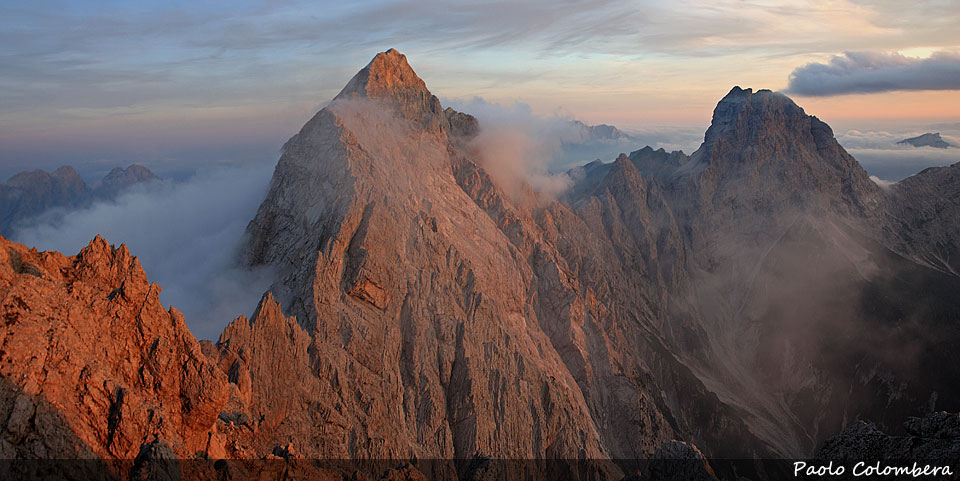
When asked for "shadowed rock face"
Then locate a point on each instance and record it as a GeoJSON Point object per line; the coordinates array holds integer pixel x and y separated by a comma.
{"type": "Point", "coordinates": [935, 436]}
{"type": "Point", "coordinates": [794, 274]}
{"type": "Point", "coordinates": [919, 218]}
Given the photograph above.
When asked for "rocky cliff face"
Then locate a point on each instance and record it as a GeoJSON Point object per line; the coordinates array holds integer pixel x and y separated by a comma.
{"type": "Point", "coordinates": [918, 218]}
{"type": "Point", "coordinates": [91, 364]}
{"type": "Point", "coordinates": [426, 344]}
{"type": "Point", "coordinates": [495, 327]}
{"type": "Point", "coordinates": [274, 393]}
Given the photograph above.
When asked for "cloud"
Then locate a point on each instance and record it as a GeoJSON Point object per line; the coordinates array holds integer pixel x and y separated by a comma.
{"type": "Point", "coordinates": [871, 72]}
{"type": "Point", "coordinates": [518, 148]}
{"type": "Point", "coordinates": [898, 164]}
{"type": "Point", "coordinates": [884, 184]}
{"type": "Point", "coordinates": [186, 235]}
{"type": "Point", "coordinates": [516, 159]}
{"type": "Point", "coordinates": [881, 156]}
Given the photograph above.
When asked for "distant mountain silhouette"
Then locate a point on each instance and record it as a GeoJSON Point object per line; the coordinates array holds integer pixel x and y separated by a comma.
{"type": "Point", "coordinates": [927, 140]}
{"type": "Point", "coordinates": [30, 193]}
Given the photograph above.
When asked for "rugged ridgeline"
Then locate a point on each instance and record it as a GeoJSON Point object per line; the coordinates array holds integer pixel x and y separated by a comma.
{"type": "Point", "coordinates": [820, 298]}
{"type": "Point", "coordinates": [920, 218]}
{"type": "Point", "coordinates": [31, 193]}
{"type": "Point", "coordinates": [453, 320]}
{"type": "Point", "coordinates": [92, 365]}
{"type": "Point", "coordinates": [752, 298]}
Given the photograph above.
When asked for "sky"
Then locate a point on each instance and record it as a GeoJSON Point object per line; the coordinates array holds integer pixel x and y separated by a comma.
{"type": "Point", "coordinates": [174, 84]}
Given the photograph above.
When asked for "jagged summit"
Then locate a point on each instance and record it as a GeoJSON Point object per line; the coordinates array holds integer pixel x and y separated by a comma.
{"type": "Point", "coordinates": [387, 72]}
{"type": "Point", "coordinates": [390, 81]}
{"type": "Point", "coordinates": [122, 178]}
{"type": "Point", "coordinates": [64, 174]}
{"type": "Point", "coordinates": [766, 138]}
{"type": "Point", "coordinates": [134, 172]}
{"type": "Point", "coordinates": [768, 109]}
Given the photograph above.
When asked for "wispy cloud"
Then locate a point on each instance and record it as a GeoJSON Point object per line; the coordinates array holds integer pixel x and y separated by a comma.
{"type": "Point", "coordinates": [884, 184]}
{"type": "Point", "coordinates": [871, 72]}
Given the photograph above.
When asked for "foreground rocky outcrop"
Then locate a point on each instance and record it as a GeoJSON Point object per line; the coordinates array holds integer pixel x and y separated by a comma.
{"type": "Point", "coordinates": [92, 367]}
{"type": "Point", "coordinates": [935, 436]}
{"type": "Point", "coordinates": [91, 363]}
{"type": "Point", "coordinates": [925, 447]}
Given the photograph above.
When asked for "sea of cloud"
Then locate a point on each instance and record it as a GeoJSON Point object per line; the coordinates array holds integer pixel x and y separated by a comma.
{"type": "Point", "coordinates": [882, 157]}
{"type": "Point", "coordinates": [186, 235]}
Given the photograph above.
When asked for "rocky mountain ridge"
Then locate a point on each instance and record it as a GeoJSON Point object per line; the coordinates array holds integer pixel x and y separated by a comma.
{"type": "Point", "coordinates": [31, 193]}
{"type": "Point", "coordinates": [92, 364]}
{"type": "Point", "coordinates": [753, 299]}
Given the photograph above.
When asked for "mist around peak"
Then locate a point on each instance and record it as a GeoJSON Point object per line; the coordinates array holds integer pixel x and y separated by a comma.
{"type": "Point", "coordinates": [521, 149]}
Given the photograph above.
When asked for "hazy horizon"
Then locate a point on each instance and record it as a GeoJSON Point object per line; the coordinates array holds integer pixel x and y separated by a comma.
{"type": "Point", "coordinates": [178, 85]}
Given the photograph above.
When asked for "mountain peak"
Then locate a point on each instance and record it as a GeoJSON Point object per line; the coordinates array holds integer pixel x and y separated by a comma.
{"type": "Point", "coordinates": [387, 73]}
{"type": "Point", "coordinates": [66, 172]}
{"type": "Point", "coordinates": [133, 174]}
{"type": "Point", "coordinates": [927, 140]}
{"type": "Point", "coordinates": [736, 91]}
{"type": "Point", "coordinates": [744, 117]}
{"type": "Point", "coordinates": [740, 101]}
{"type": "Point", "coordinates": [764, 135]}
{"type": "Point", "coordinates": [390, 81]}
